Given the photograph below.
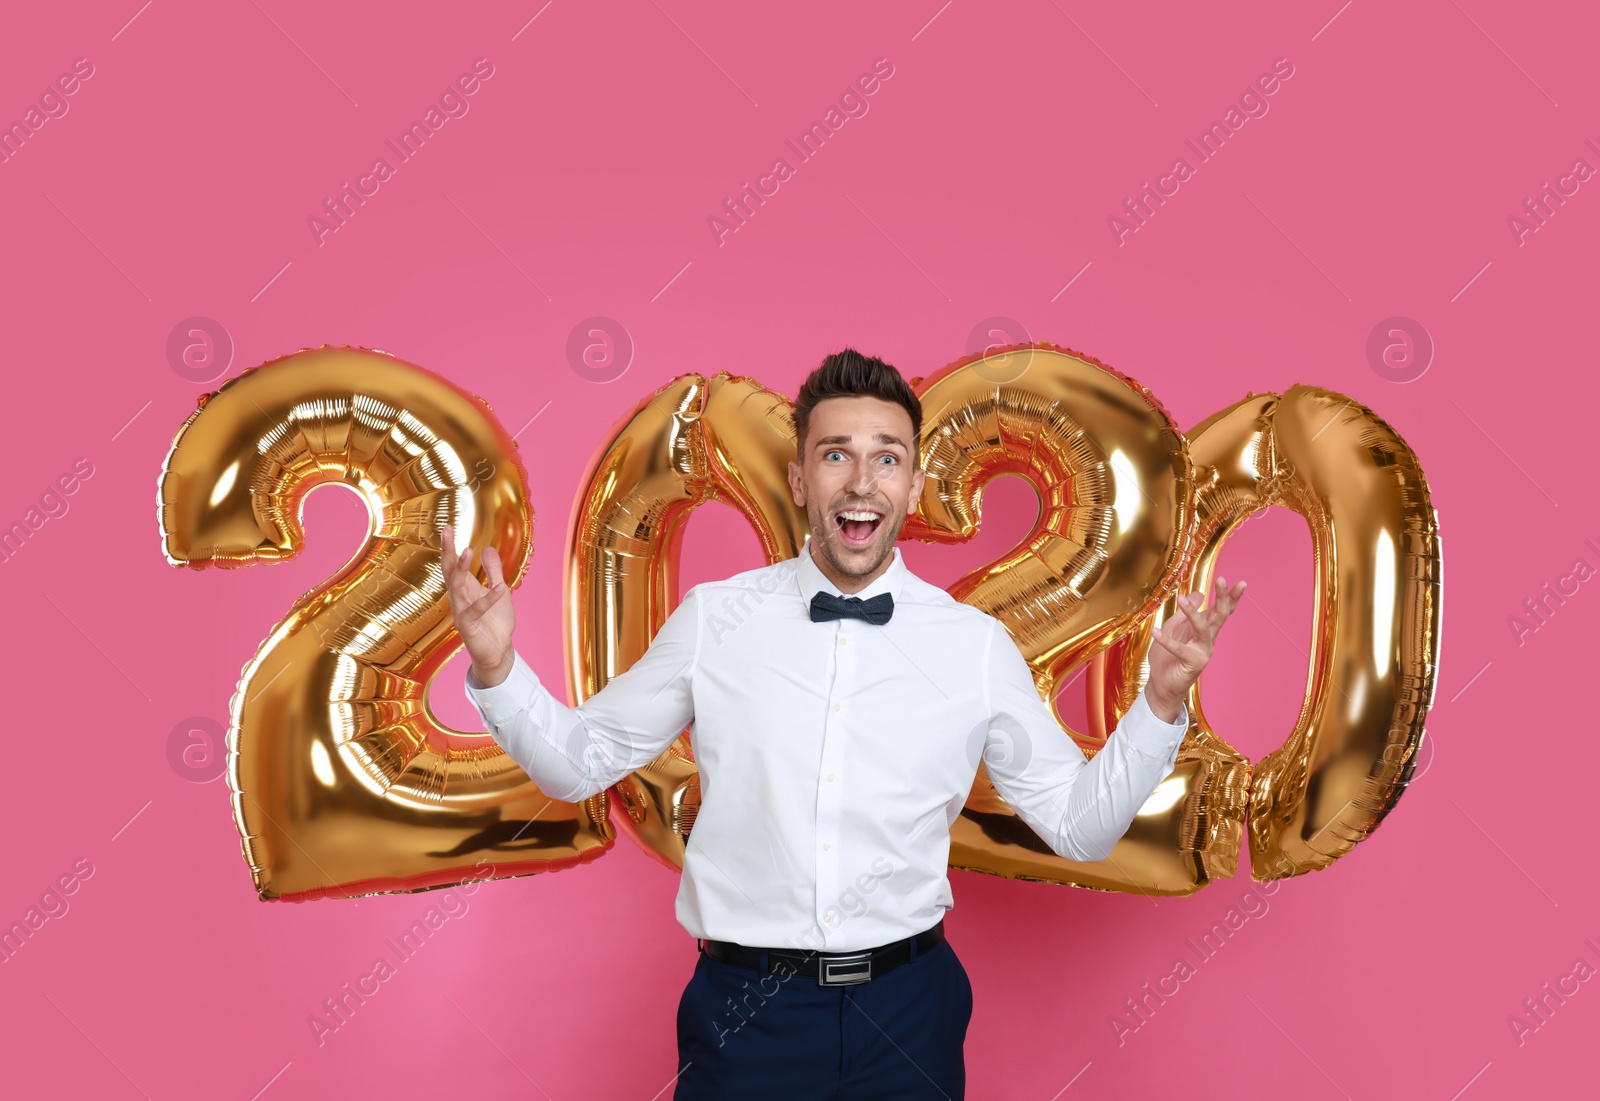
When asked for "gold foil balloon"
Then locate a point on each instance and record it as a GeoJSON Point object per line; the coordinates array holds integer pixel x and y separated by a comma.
{"type": "Point", "coordinates": [1375, 619]}
{"type": "Point", "coordinates": [692, 441]}
{"type": "Point", "coordinates": [343, 781]}
{"type": "Point", "coordinates": [1116, 504]}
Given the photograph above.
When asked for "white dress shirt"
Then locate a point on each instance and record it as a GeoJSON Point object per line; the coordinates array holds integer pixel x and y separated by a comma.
{"type": "Point", "coordinates": [834, 757]}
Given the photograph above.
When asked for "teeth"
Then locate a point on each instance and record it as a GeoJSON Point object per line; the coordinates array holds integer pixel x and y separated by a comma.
{"type": "Point", "coordinates": [857, 515]}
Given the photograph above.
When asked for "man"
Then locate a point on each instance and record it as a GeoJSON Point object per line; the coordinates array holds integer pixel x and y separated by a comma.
{"type": "Point", "coordinates": [840, 707]}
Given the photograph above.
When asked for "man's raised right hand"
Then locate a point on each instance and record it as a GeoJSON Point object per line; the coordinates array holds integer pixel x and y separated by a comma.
{"type": "Point", "coordinates": [483, 614]}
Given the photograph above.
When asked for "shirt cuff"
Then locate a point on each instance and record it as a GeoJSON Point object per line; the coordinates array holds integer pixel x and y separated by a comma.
{"type": "Point", "coordinates": [1149, 734]}
{"type": "Point", "coordinates": [501, 702]}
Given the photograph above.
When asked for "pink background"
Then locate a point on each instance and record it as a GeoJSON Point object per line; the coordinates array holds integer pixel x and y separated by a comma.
{"type": "Point", "coordinates": [979, 183]}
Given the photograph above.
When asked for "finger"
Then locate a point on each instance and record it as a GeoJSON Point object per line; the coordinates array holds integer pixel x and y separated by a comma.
{"type": "Point", "coordinates": [480, 607]}
{"type": "Point", "coordinates": [491, 566]}
{"type": "Point", "coordinates": [461, 586]}
{"type": "Point", "coordinates": [461, 579]}
{"type": "Point", "coordinates": [448, 541]}
{"type": "Point", "coordinates": [1174, 646]}
{"type": "Point", "coordinates": [1204, 613]}
{"type": "Point", "coordinates": [1214, 608]}
{"type": "Point", "coordinates": [1191, 656]}
{"type": "Point", "coordinates": [1227, 599]}
{"type": "Point", "coordinates": [1226, 595]}
{"type": "Point", "coordinates": [1236, 594]}
{"type": "Point", "coordinates": [1190, 602]}
{"type": "Point", "coordinates": [1166, 635]}
{"type": "Point", "coordinates": [462, 591]}
{"type": "Point", "coordinates": [1176, 625]}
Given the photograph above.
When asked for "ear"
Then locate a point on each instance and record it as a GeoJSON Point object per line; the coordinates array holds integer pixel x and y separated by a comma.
{"type": "Point", "coordinates": [916, 490]}
{"type": "Point", "coordinates": [797, 487]}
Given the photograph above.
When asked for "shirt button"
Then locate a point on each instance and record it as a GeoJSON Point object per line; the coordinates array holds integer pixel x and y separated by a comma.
{"type": "Point", "coordinates": [827, 844]}
{"type": "Point", "coordinates": [828, 916]}
{"type": "Point", "coordinates": [830, 777]}
{"type": "Point", "coordinates": [843, 641]}
{"type": "Point", "coordinates": [836, 707]}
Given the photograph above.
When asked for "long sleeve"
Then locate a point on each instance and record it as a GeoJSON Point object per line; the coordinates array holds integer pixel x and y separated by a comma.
{"type": "Point", "coordinates": [575, 752]}
{"type": "Point", "coordinates": [1080, 807]}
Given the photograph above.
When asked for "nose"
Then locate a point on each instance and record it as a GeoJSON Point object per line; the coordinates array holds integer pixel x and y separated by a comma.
{"type": "Point", "coordinates": [864, 478]}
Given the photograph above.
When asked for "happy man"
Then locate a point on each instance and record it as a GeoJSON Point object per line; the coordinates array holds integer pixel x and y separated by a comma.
{"type": "Point", "coordinates": [837, 729]}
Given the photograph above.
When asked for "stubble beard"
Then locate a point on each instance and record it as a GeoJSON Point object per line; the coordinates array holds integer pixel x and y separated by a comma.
{"type": "Point", "coordinates": [824, 533]}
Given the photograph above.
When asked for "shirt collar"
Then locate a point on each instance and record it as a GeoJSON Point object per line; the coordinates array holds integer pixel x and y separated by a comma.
{"type": "Point", "coordinates": [811, 579]}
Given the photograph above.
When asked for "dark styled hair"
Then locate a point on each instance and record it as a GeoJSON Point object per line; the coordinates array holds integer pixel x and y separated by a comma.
{"type": "Point", "coordinates": [848, 373]}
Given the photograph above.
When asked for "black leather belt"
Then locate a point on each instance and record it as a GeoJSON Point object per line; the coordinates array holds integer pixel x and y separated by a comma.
{"type": "Point", "coordinates": [828, 968]}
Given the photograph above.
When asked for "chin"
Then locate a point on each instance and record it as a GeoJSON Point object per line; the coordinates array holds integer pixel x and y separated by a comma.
{"type": "Point", "coordinates": [859, 561]}
{"type": "Point", "coordinates": [862, 565]}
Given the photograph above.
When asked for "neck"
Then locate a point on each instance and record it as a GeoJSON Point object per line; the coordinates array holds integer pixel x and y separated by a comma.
{"type": "Point", "coordinates": [844, 582]}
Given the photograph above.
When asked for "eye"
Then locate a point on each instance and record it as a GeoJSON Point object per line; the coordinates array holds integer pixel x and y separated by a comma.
{"type": "Point", "coordinates": [831, 454]}
{"type": "Point", "coordinates": [891, 459]}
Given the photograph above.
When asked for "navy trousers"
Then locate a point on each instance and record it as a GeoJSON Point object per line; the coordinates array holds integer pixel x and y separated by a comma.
{"type": "Point", "coordinates": [745, 1035]}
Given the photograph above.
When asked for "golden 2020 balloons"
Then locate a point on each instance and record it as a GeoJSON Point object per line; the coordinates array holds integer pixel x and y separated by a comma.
{"type": "Point", "coordinates": [345, 785]}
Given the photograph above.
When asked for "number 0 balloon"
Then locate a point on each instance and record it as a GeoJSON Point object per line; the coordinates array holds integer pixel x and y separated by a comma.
{"type": "Point", "coordinates": [345, 784]}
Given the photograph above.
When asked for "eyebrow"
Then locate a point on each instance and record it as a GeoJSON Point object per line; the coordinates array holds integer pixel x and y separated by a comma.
{"type": "Point", "coordinates": [881, 437]}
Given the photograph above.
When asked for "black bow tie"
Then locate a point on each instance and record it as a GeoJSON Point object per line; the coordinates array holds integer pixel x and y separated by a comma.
{"type": "Point", "coordinates": [826, 606]}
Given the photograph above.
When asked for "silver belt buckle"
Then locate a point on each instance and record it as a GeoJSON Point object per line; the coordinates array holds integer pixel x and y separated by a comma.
{"type": "Point", "coordinates": [845, 969]}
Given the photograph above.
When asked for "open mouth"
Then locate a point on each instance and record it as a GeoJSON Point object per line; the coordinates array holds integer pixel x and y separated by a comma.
{"type": "Point", "coordinates": [857, 526]}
